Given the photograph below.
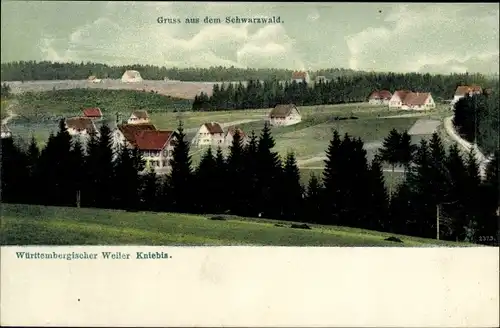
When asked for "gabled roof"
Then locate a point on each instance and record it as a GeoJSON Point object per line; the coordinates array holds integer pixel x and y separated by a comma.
{"type": "Point", "coordinates": [152, 139]}
{"type": "Point", "coordinates": [299, 75]}
{"type": "Point", "coordinates": [80, 124]}
{"type": "Point", "coordinates": [382, 94]}
{"type": "Point", "coordinates": [465, 89]}
{"type": "Point", "coordinates": [415, 98]}
{"type": "Point", "coordinates": [232, 130]}
{"type": "Point", "coordinates": [132, 74]}
{"type": "Point", "coordinates": [92, 112]}
{"type": "Point", "coordinates": [129, 131]}
{"type": "Point", "coordinates": [141, 114]}
{"type": "Point", "coordinates": [213, 127]}
{"type": "Point", "coordinates": [401, 93]}
{"type": "Point", "coordinates": [281, 111]}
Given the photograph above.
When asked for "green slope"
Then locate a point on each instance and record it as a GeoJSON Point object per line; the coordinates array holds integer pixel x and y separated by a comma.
{"type": "Point", "coordinates": [43, 225]}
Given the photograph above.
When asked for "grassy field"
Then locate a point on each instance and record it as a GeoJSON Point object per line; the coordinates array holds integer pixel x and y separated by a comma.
{"type": "Point", "coordinates": [40, 225]}
{"type": "Point", "coordinates": [305, 175]}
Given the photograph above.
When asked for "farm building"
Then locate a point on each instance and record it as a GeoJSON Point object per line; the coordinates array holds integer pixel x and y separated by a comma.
{"type": "Point", "coordinates": [156, 148]}
{"type": "Point", "coordinates": [418, 101]}
{"type": "Point", "coordinates": [301, 77]}
{"type": "Point", "coordinates": [382, 97]}
{"type": "Point", "coordinates": [209, 134]}
{"type": "Point", "coordinates": [93, 113]}
{"type": "Point", "coordinates": [397, 98]}
{"type": "Point", "coordinates": [131, 76]}
{"type": "Point", "coordinates": [5, 131]}
{"type": "Point", "coordinates": [93, 79]}
{"type": "Point", "coordinates": [464, 90]}
{"type": "Point", "coordinates": [284, 115]}
{"type": "Point", "coordinates": [138, 117]}
{"type": "Point", "coordinates": [124, 134]}
{"type": "Point", "coordinates": [80, 126]}
{"type": "Point", "coordinates": [321, 78]}
{"type": "Point", "coordinates": [228, 139]}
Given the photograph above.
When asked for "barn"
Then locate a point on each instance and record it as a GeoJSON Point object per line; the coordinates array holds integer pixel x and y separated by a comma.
{"type": "Point", "coordinates": [131, 76]}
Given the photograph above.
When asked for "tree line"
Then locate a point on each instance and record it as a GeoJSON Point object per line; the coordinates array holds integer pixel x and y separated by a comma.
{"type": "Point", "coordinates": [342, 89]}
{"type": "Point", "coordinates": [477, 119]}
{"type": "Point", "coordinates": [253, 181]}
{"type": "Point", "coordinates": [47, 70]}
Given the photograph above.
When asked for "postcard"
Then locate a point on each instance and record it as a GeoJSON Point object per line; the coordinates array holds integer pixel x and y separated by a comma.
{"type": "Point", "coordinates": [249, 164]}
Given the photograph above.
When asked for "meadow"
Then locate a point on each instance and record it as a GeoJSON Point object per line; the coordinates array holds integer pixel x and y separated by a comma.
{"type": "Point", "coordinates": [47, 225]}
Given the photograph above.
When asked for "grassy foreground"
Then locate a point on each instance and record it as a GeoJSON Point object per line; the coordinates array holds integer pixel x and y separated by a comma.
{"type": "Point", "coordinates": [44, 225]}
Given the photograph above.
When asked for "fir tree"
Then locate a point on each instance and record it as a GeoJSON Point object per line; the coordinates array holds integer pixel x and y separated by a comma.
{"type": "Point", "coordinates": [181, 173]}
{"type": "Point", "coordinates": [377, 202]}
{"type": "Point", "coordinates": [332, 178]}
{"type": "Point", "coordinates": [406, 151]}
{"type": "Point", "coordinates": [313, 200]}
{"type": "Point", "coordinates": [127, 181]}
{"type": "Point", "coordinates": [150, 191]}
{"type": "Point", "coordinates": [250, 179]}
{"type": "Point", "coordinates": [291, 190]}
{"type": "Point", "coordinates": [220, 175]}
{"type": "Point", "coordinates": [235, 166]}
{"type": "Point", "coordinates": [205, 178]}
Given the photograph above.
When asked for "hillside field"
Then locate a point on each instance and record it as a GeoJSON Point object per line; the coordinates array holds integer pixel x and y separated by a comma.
{"type": "Point", "coordinates": [43, 225]}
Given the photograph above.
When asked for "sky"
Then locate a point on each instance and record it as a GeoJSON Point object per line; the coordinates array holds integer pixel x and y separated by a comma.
{"type": "Point", "coordinates": [398, 37]}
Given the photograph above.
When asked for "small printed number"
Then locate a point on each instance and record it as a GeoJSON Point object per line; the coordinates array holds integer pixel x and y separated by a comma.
{"type": "Point", "coordinates": [486, 238]}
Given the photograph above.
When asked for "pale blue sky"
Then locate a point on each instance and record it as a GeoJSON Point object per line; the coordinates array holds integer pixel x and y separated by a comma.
{"type": "Point", "coordinates": [367, 36]}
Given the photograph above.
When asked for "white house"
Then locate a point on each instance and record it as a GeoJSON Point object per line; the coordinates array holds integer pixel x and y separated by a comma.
{"type": "Point", "coordinates": [418, 101]}
{"type": "Point", "coordinates": [124, 134]}
{"type": "Point", "coordinates": [80, 126]}
{"type": "Point", "coordinates": [396, 100]}
{"type": "Point", "coordinates": [209, 134]}
{"type": "Point", "coordinates": [282, 115]}
{"type": "Point", "coordinates": [138, 117]}
{"type": "Point", "coordinates": [93, 79]}
{"type": "Point", "coordinates": [156, 148]}
{"type": "Point", "coordinates": [463, 90]}
{"type": "Point", "coordinates": [131, 76]}
{"type": "Point", "coordinates": [301, 77]}
{"type": "Point", "coordinates": [321, 78]}
{"type": "Point", "coordinates": [228, 139]}
{"type": "Point", "coordinates": [5, 131]}
{"type": "Point", "coordinates": [382, 97]}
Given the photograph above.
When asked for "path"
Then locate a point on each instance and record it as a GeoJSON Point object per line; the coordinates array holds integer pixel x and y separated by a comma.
{"type": "Point", "coordinates": [10, 114]}
{"type": "Point", "coordinates": [467, 146]}
{"type": "Point", "coordinates": [227, 124]}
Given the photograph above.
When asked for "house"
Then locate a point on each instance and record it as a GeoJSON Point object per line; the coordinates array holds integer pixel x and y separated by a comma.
{"type": "Point", "coordinates": [93, 113]}
{"type": "Point", "coordinates": [138, 117]}
{"type": "Point", "coordinates": [80, 126]}
{"type": "Point", "coordinates": [228, 139]}
{"type": "Point", "coordinates": [382, 97]}
{"type": "Point", "coordinates": [156, 148]}
{"type": "Point", "coordinates": [284, 115]}
{"type": "Point", "coordinates": [301, 77]}
{"type": "Point", "coordinates": [131, 77]}
{"type": "Point", "coordinates": [124, 134]}
{"type": "Point", "coordinates": [464, 90]}
{"type": "Point", "coordinates": [418, 101]}
{"type": "Point", "coordinates": [396, 100]}
{"type": "Point", "coordinates": [93, 79]}
{"type": "Point", "coordinates": [5, 131]}
{"type": "Point", "coordinates": [321, 79]}
{"type": "Point", "coordinates": [209, 134]}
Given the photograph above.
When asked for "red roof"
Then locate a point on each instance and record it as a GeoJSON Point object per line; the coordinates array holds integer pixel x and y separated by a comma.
{"type": "Point", "coordinates": [465, 89]}
{"type": "Point", "coordinates": [299, 75]}
{"type": "Point", "coordinates": [129, 131]}
{"type": "Point", "coordinates": [382, 94]}
{"type": "Point", "coordinates": [401, 94]}
{"type": "Point", "coordinates": [152, 140]}
{"type": "Point", "coordinates": [415, 98]}
{"type": "Point", "coordinates": [214, 127]}
{"type": "Point", "coordinates": [92, 112]}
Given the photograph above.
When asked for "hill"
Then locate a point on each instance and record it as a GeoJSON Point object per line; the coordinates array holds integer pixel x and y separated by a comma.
{"type": "Point", "coordinates": [72, 101]}
{"type": "Point", "coordinates": [44, 225]}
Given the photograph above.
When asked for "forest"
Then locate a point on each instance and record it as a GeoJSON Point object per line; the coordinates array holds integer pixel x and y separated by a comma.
{"type": "Point", "coordinates": [440, 185]}
{"type": "Point", "coordinates": [46, 70]}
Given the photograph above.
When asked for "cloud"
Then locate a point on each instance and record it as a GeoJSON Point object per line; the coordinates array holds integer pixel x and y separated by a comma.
{"type": "Point", "coordinates": [122, 42]}
{"type": "Point", "coordinates": [428, 39]}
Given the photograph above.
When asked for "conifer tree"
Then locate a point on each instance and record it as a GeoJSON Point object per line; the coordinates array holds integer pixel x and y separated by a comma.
{"type": "Point", "coordinates": [292, 192]}
{"type": "Point", "coordinates": [391, 151]}
{"type": "Point", "coordinates": [205, 178]}
{"type": "Point", "coordinates": [235, 167]}
{"type": "Point", "coordinates": [33, 156]}
{"type": "Point", "coordinates": [181, 173]}
{"type": "Point", "coordinates": [406, 150]}
{"type": "Point", "coordinates": [78, 164]}
{"type": "Point", "coordinates": [332, 178]}
{"type": "Point", "coordinates": [220, 176]}
{"type": "Point", "coordinates": [377, 202]}
{"type": "Point", "coordinates": [402, 211]}
{"type": "Point", "coordinates": [127, 181]}
{"type": "Point", "coordinates": [312, 207]}
{"type": "Point", "coordinates": [149, 195]}
{"type": "Point", "coordinates": [250, 179]}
